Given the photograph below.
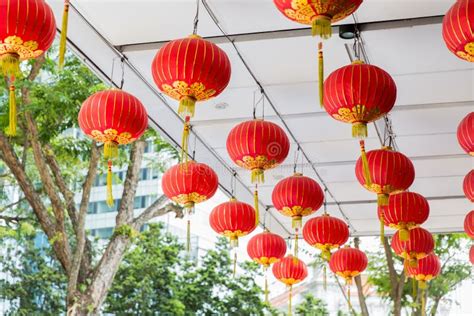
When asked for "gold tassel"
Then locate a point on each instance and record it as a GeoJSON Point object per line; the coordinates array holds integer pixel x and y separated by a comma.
{"type": "Point", "coordinates": [413, 262]}
{"type": "Point", "coordinates": [11, 130]}
{"type": "Point", "coordinates": [382, 226]}
{"type": "Point", "coordinates": [382, 199]}
{"type": "Point", "coordinates": [290, 296]}
{"type": "Point", "coordinates": [296, 222]}
{"type": "Point", "coordinates": [325, 279]}
{"type": "Point", "coordinates": [185, 140]}
{"type": "Point", "coordinates": [257, 212]}
{"type": "Point", "coordinates": [62, 42]}
{"type": "Point", "coordinates": [257, 175]}
{"type": "Point", "coordinates": [423, 302]}
{"type": "Point", "coordinates": [188, 236]}
{"type": "Point", "coordinates": [266, 292]}
{"type": "Point", "coordinates": [110, 150]}
{"type": "Point", "coordinates": [321, 74]}
{"type": "Point", "coordinates": [235, 264]}
{"type": "Point", "coordinates": [10, 65]}
{"type": "Point", "coordinates": [110, 198]}
{"type": "Point", "coordinates": [296, 247]}
{"type": "Point", "coordinates": [349, 304]}
{"type": "Point", "coordinates": [322, 27]}
{"type": "Point", "coordinates": [186, 106]}
{"type": "Point", "coordinates": [404, 234]}
{"type": "Point", "coordinates": [234, 242]}
{"type": "Point", "coordinates": [359, 130]}
{"type": "Point", "coordinates": [414, 289]}
{"type": "Point", "coordinates": [365, 164]}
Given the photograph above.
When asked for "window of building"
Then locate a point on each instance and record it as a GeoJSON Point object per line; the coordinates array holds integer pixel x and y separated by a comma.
{"type": "Point", "coordinates": [102, 233]}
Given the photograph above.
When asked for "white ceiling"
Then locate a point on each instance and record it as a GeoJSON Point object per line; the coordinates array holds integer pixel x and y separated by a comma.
{"type": "Point", "coordinates": [435, 91]}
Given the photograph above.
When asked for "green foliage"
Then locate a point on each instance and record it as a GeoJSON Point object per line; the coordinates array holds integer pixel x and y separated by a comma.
{"type": "Point", "coordinates": [312, 306]}
{"type": "Point", "coordinates": [33, 282]}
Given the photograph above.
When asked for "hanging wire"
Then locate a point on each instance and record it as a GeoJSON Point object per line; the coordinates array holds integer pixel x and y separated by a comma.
{"type": "Point", "coordinates": [265, 218]}
{"type": "Point", "coordinates": [254, 113]}
{"type": "Point", "coordinates": [194, 144]}
{"type": "Point", "coordinates": [233, 183]}
{"type": "Point", "coordinates": [325, 205]}
{"type": "Point", "coordinates": [262, 97]}
{"type": "Point", "coordinates": [196, 18]}
{"type": "Point", "coordinates": [297, 154]}
{"type": "Point", "coordinates": [122, 65]}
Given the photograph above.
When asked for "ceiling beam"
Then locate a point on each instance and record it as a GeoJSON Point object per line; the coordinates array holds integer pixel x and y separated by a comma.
{"type": "Point", "coordinates": [290, 33]}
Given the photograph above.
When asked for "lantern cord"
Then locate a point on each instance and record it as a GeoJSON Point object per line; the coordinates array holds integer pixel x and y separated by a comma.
{"type": "Point", "coordinates": [290, 296]}
{"type": "Point", "coordinates": [266, 290]}
{"type": "Point", "coordinates": [382, 225]}
{"type": "Point", "coordinates": [321, 74]}
{"type": "Point", "coordinates": [196, 18]}
{"type": "Point", "coordinates": [325, 203]}
{"type": "Point", "coordinates": [349, 304]}
{"type": "Point", "coordinates": [122, 65]}
{"type": "Point", "coordinates": [188, 236]}
{"type": "Point", "coordinates": [365, 164]}
{"type": "Point", "coordinates": [414, 289]}
{"type": "Point", "coordinates": [265, 218]}
{"type": "Point", "coordinates": [110, 197]}
{"type": "Point", "coordinates": [63, 40]}
{"type": "Point", "coordinates": [233, 180]}
{"type": "Point", "coordinates": [296, 245]}
{"type": "Point", "coordinates": [423, 302]}
{"type": "Point", "coordinates": [325, 280]}
{"type": "Point", "coordinates": [255, 200]}
{"type": "Point", "coordinates": [185, 140]}
{"type": "Point", "coordinates": [234, 270]}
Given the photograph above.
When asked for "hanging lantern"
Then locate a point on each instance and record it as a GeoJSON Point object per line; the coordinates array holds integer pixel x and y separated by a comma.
{"type": "Point", "coordinates": [359, 94]}
{"type": "Point", "coordinates": [469, 224]}
{"type": "Point", "coordinates": [326, 233]}
{"type": "Point", "coordinates": [419, 245]}
{"type": "Point", "coordinates": [405, 211]}
{"type": "Point", "coordinates": [458, 29]}
{"type": "Point", "coordinates": [297, 196]}
{"type": "Point", "coordinates": [465, 132]}
{"type": "Point", "coordinates": [468, 186]}
{"type": "Point", "coordinates": [471, 254]}
{"type": "Point", "coordinates": [386, 172]}
{"type": "Point", "coordinates": [113, 117]}
{"type": "Point", "coordinates": [257, 145]}
{"type": "Point", "coordinates": [190, 70]}
{"type": "Point", "coordinates": [266, 249]}
{"type": "Point", "coordinates": [233, 219]}
{"type": "Point", "coordinates": [23, 36]}
{"type": "Point", "coordinates": [290, 271]}
{"type": "Point", "coordinates": [428, 268]}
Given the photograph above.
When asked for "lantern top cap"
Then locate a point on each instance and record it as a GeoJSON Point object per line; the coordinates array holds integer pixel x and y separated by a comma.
{"type": "Point", "coordinates": [195, 36]}
{"type": "Point", "coordinates": [387, 148]}
{"type": "Point", "coordinates": [297, 174]}
{"type": "Point", "coordinates": [358, 62]}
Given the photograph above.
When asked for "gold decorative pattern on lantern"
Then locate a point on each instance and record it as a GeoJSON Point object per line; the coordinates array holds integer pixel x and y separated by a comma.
{"type": "Point", "coordinates": [468, 53]}
{"type": "Point", "coordinates": [326, 247]}
{"type": "Point", "coordinates": [422, 277]}
{"type": "Point", "coordinates": [357, 114]}
{"type": "Point", "coordinates": [259, 162]}
{"type": "Point", "coordinates": [413, 255]}
{"type": "Point", "coordinates": [348, 275]}
{"type": "Point", "coordinates": [15, 44]}
{"type": "Point", "coordinates": [189, 198]}
{"type": "Point", "coordinates": [111, 135]}
{"type": "Point", "coordinates": [377, 188]}
{"type": "Point", "coordinates": [403, 225]}
{"type": "Point", "coordinates": [289, 281]}
{"type": "Point", "coordinates": [296, 211]}
{"type": "Point", "coordinates": [304, 12]}
{"type": "Point", "coordinates": [234, 234]}
{"type": "Point", "coordinates": [181, 89]}
{"type": "Point", "coordinates": [265, 261]}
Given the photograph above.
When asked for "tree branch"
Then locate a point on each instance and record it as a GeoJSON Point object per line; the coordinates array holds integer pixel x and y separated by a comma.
{"type": "Point", "coordinates": [10, 219]}
{"type": "Point", "coordinates": [11, 205]}
{"type": "Point", "coordinates": [156, 209]}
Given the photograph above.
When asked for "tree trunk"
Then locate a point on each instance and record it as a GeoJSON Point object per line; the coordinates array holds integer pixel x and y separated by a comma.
{"type": "Point", "coordinates": [360, 290]}
{"type": "Point", "coordinates": [434, 308]}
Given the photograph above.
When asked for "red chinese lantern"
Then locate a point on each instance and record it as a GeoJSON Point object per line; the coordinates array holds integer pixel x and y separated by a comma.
{"type": "Point", "coordinates": [465, 132]}
{"type": "Point", "coordinates": [290, 271]}
{"type": "Point", "coordinates": [359, 94]}
{"type": "Point", "coordinates": [233, 219]}
{"type": "Point", "coordinates": [326, 233]}
{"type": "Point", "coordinates": [458, 29]}
{"type": "Point", "coordinates": [113, 117]}
{"type": "Point", "coordinates": [419, 245]}
{"type": "Point", "coordinates": [257, 145]}
{"type": "Point", "coordinates": [190, 70]}
{"type": "Point", "coordinates": [386, 172]}
{"type": "Point", "coordinates": [428, 268]}
{"type": "Point", "coordinates": [405, 211]}
{"type": "Point", "coordinates": [468, 185]}
{"type": "Point", "coordinates": [471, 254]}
{"type": "Point", "coordinates": [27, 30]}
{"type": "Point", "coordinates": [297, 196]}
{"type": "Point", "coordinates": [469, 224]}
{"type": "Point", "coordinates": [266, 248]}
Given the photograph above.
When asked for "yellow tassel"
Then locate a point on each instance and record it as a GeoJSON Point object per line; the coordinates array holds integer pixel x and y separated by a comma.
{"type": "Point", "coordinates": [359, 130]}
{"type": "Point", "coordinates": [257, 212]}
{"type": "Point", "coordinates": [296, 247]}
{"type": "Point", "coordinates": [290, 297]}
{"type": "Point", "coordinates": [321, 74]}
{"type": "Point", "coordinates": [266, 291]}
{"type": "Point", "coordinates": [326, 255]}
{"type": "Point", "coordinates": [422, 285]}
{"type": "Point", "coordinates": [11, 130]}
{"type": "Point", "coordinates": [234, 242]}
{"type": "Point", "coordinates": [10, 65]}
{"type": "Point", "coordinates": [365, 164]}
{"type": "Point", "coordinates": [414, 289]}
{"type": "Point", "coordinates": [62, 42]}
{"type": "Point", "coordinates": [235, 265]}
{"type": "Point", "coordinates": [185, 141]}
{"type": "Point", "coordinates": [187, 106]}
{"type": "Point", "coordinates": [188, 236]}
{"type": "Point", "coordinates": [110, 150]}
{"type": "Point", "coordinates": [296, 222]}
{"type": "Point", "coordinates": [110, 198]}
{"type": "Point", "coordinates": [423, 302]}
{"type": "Point", "coordinates": [322, 27]}
{"type": "Point", "coordinates": [404, 234]}
{"type": "Point", "coordinates": [257, 175]}
{"type": "Point", "coordinates": [325, 279]}
{"type": "Point", "coordinates": [349, 304]}
{"type": "Point", "coordinates": [382, 199]}
{"type": "Point", "coordinates": [382, 231]}
{"type": "Point", "coordinates": [413, 262]}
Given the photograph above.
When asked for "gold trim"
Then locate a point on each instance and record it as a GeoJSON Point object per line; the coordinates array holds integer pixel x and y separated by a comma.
{"type": "Point", "coordinates": [111, 135]}
{"type": "Point", "coordinates": [259, 162]}
{"type": "Point", "coordinates": [25, 49]}
{"type": "Point", "coordinates": [180, 89]}
{"type": "Point", "coordinates": [357, 114]}
{"type": "Point", "coordinates": [190, 198]}
{"type": "Point", "coordinates": [467, 53]}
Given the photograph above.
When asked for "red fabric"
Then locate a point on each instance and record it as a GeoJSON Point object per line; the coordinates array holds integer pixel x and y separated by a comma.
{"type": "Point", "coordinates": [471, 254]}
{"type": "Point", "coordinates": [406, 207]}
{"type": "Point", "coordinates": [192, 60]}
{"type": "Point", "coordinates": [325, 230]}
{"type": "Point", "coordinates": [381, 209]}
{"type": "Point", "coordinates": [29, 20]}
{"type": "Point", "coordinates": [429, 265]}
{"type": "Point", "coordinates": [334, 9]}
{"type": "Point", "coordinates": [290, 270]}
{"type": "Point", "coordinates": [266, 245]}
{"type": "Point", "coordinates": [458, 28]}
{"type": "Point", "coordinates": [233, 216]}
{"type": "Point", "coordinates": [469, 224]}
{"type": "Point", "coordinates": [419, 245]}
{"type": "Point", "coordinates": [390, 171]}
{"type": "Point", "coordinates": [468, 185]}
{"type": "Point", "coordinates": [258, 138]}
{"type": "Point", "coordinates": [362, 85]}
{"type": "Point", "coordinates": [348, 259]}
{"type": "Point", "coordinates": [465, 133]}
{"type": "Point", "coordinates": [113, 110]}
{"type": "Point", "coordinates": [194, 182]}
{"type": "Point", "coordinates": [298, 191]}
